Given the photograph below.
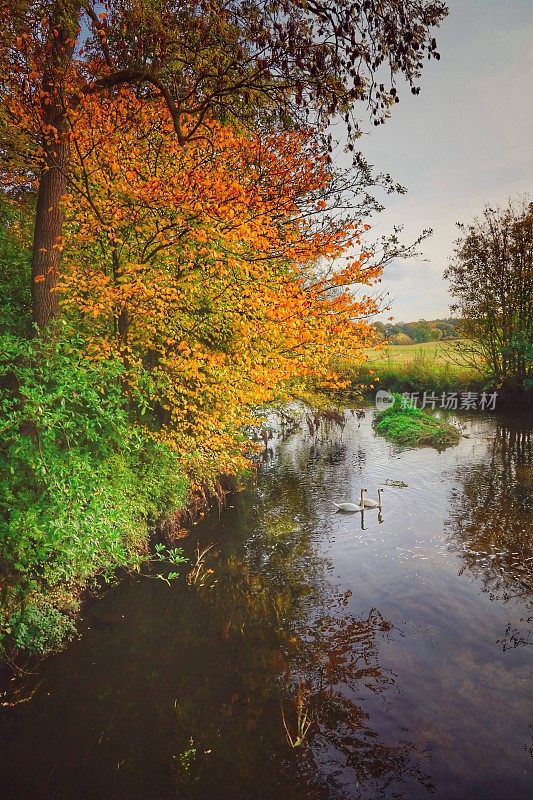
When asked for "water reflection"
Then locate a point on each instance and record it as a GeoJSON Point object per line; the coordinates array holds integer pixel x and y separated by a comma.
{"type": "Point", "coordinates": [491, 524]}
{"type": "Point", "coordinates": [286, 636]}
{"type": "Point", "coordinates": [199, 691]}
{"type": "Point", "coordinates": [491, 519]}
{"type": "Point", "coordinates": [204, 691]}
{"type": "Point", "coordinates": [282, 653]}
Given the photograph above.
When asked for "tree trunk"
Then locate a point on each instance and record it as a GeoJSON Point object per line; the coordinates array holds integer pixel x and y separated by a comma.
{"type": "Point", "coordinates": [46, 253]}
{"type": "Point", "coordinates": [123, 324]}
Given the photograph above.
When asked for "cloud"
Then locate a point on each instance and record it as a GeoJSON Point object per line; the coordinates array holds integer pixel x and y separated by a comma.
{"type": "Point", "coordinates": [465, 141]}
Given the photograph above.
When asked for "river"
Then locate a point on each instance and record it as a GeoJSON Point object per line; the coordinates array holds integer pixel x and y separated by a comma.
{"type": "Point", "coordinates": [397, 646]}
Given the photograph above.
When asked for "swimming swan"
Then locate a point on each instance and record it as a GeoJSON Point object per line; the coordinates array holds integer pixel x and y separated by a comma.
{"type": "Point", "coordinates": [350, 506]}
{"type": "Point", "coordinates": [367, 502]}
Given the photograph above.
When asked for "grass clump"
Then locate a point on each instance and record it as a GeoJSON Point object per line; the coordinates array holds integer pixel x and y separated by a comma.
{"type": "Point", "coordinates": [413, 427]}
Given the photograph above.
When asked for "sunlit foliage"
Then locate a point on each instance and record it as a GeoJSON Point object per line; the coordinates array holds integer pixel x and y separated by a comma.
{"type": "Point", "coordinates": [219, 273]}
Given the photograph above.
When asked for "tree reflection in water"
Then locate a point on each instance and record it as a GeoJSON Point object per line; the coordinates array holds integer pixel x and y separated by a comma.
{"type": "Point", "coordinates": [272, 651]}
{"type": "Point", "coordinates": [182, 692]}
{"type": "Point", "coordinates": [286, 647]}
{"type": "Point", "coordinates": [491, 522]}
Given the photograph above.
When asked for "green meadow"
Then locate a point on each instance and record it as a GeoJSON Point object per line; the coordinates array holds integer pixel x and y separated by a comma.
{"type": "Point", "coordinates": [436, 366]}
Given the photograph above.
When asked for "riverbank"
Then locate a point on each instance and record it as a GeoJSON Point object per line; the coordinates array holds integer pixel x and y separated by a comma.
{"type": "Point", "coordinates": [40, 619]}
{"type": "Point", "coordinates": [82, 485]}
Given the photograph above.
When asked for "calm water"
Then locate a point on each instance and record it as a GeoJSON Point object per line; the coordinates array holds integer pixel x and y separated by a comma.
{"type": "Point", "coordinates": [405, 638]}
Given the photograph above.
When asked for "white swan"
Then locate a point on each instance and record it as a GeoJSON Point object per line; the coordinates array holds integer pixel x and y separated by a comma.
{"type": "Point", "coordinates": [367, 502]}
{"type": "Point", "coordinates": [347, 507]}
{"type": "Point", "coordinates": [350, 506]}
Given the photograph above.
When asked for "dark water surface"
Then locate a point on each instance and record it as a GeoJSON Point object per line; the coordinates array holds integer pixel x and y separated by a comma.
{"type": "Point", "coordinates": [407, 642]}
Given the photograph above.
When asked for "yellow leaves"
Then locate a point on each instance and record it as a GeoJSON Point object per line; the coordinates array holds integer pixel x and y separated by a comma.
{"type": "Point", "coordinates": [234, 298]}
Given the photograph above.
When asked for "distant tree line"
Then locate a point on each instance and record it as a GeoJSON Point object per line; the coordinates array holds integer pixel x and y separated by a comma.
{"type": "Point", "coordinates": [423, 330]}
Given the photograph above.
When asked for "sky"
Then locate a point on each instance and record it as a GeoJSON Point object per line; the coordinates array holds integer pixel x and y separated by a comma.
{"type": "Point", "coordinates": [464, 141]}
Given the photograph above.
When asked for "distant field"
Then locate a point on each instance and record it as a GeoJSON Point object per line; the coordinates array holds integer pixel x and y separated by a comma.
{"type": "Point", "coordinates": [438, 353]}
{"type": "Point", "coordinates": [417, 367]}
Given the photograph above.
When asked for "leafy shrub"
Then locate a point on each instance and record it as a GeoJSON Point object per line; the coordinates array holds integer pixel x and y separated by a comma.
{"type": "Point", "coordinates": [41, 629]}
{"type": "Point", "coordinates": [79, 483]}
{"type": "Point", "coordinates": [15, 252]}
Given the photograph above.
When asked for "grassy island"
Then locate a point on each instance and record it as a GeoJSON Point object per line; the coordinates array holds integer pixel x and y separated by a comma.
{"type": "Point", "coordinates": [415, 427]}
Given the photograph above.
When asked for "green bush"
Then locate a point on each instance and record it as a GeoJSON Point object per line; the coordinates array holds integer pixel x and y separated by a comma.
{"type": "Point", "coordinates": [15, 271]}
{"type": "Point", "coordinates": [79, 483]}
{"type": "Point", "coordinates": [40, 629]}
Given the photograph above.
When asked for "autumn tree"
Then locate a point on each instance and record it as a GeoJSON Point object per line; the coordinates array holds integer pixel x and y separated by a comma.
{"type": "Point", "coordinates": [284, 62]}
{"type": "Point", "coordinates": [231, 259]}
{"type": "Point", "coordinates": [491, 277]}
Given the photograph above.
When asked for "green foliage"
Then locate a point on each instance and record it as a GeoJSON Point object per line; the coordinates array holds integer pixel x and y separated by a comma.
{"type": "Point", "coordinates": [186, 757]}
{"type": "Point", "coordinates": [169, 555]}
{"type": "Point", "coordinates": [79, 483]}
{"type": "Point", "coordinates": [401, 339]}
{"type": "Point", "coordinates": [491, 279]}
{"type": "Point", "coordinates": [520, 350]}
{"type": "Point", "coordinates": [40, 629]}
{"type": "Point", "coordinates": [15, 294]}
{"type": "Point", "coordinates": [415, 427]}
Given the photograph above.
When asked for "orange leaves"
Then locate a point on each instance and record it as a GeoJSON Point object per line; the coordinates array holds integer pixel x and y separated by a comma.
{"type": "Point", "coordinates": [234, 296]}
